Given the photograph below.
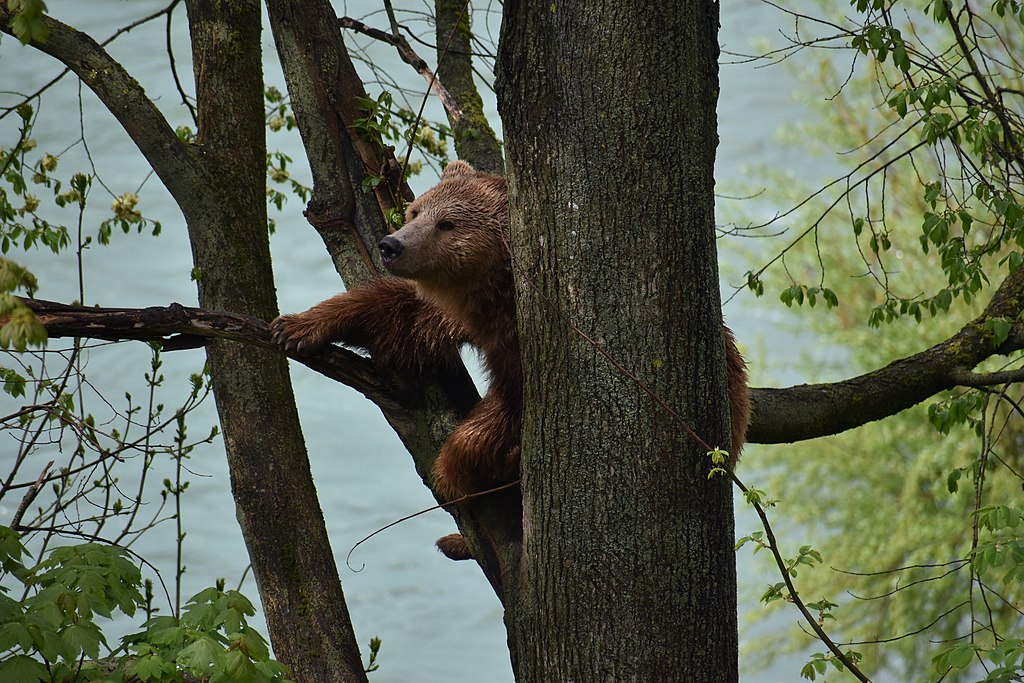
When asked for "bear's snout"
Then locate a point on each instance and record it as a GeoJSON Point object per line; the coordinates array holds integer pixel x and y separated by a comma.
{"type": "Point", "coordinates": [390, 248]}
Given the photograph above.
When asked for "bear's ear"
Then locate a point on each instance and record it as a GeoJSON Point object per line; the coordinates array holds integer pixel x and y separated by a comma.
{"type": "Point", "coordinates": [456, 169]}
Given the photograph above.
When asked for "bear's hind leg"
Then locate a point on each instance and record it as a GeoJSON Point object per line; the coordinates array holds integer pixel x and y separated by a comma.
{"type": "Point", "coordinates": [482, 452]}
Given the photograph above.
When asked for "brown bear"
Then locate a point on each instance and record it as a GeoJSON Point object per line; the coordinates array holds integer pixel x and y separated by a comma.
{"type": "Point", "coordinates": [455, 286]}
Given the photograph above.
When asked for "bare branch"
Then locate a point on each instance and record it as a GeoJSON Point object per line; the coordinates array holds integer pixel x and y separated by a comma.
{"type": "Point", "coordinates": [965, 378]}
{"type": "Point", "coordinates": [168, 10]}
{"type": "Point", "coordinates": [409, 56]}
{"type": "Point", "coordinates": [178, 327]}
{"type": "Point", "coordinates": [127, 101]}
{"type": "Point", "coordinates": [809, 411]}
{"type": "Point", "coordinates": [781, 415]}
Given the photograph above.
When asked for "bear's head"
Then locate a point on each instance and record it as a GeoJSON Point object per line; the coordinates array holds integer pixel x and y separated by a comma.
{"type": "Point", "coordinates": [455, 236]}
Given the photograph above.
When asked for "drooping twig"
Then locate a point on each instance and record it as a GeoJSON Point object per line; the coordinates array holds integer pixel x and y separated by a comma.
{"type": "Point", "coordinates": [119, 32]}
{"type": "Point", "coordinates": [30, 495]}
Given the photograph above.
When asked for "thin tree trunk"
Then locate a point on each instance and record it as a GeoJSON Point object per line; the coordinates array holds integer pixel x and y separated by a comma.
{"type": "Point", "coordinates": [275, 500]}
{"type": "Point", "coordinates": [628, 570]}
{"type": "Point", "coordinates": [475, 140]}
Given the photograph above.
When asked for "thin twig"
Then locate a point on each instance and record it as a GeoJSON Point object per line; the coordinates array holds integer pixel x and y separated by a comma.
{"type": "Point", "coordinates": [30, 495]}
{"type": "Point", "coordinates": [410, 57]}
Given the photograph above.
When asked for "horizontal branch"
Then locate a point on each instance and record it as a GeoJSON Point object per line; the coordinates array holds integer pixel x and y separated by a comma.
{"type": "Point", "coordinates": [965, 378]}
{"type": "Point", "coordinates": [780, 415]}
{"type": "Point", "coordinates": [179, 327]}
{"type": "Point", "coordinates": [809, 411]}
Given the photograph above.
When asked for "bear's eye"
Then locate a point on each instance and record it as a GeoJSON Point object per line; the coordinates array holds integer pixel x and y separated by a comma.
{"type": "Point", "coordinates": [413, 213]}
{"type": "Point", "coordinates": [445, 225]}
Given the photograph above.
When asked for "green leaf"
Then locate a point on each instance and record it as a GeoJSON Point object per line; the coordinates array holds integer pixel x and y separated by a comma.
{"type": "Point", "coordinates": [253, 644]}
{"type": "Point", "coordinates": [999, 329]}
{"type": "Point", "coordinates": [27, 24]}
{"type": "Point", "coordinates": [952, 481]}
{"type": "Point", "coordinates": [199, 657]}
{"type": "Point", "coordinates": [22, 669]}
{"type": "Point", "coordinates": [14, 384]}
{"type": "Point", "coordinates": [957, 657]}
{"type": "Point", "coordinates": [173, 636]}
{"type": "Point", "coordinates": [902, 61]}
{"type": "Point", "coordinates": [21, 328]}
{"type": "Point", "coordinates": [15, 634]}
{"type": "Point", "coordinates": [1014, 261]}
{"type": "Point", "coordinates": [237, 667]}
{"type": "Point", "coordinates": [83, 637]}
{"type": "Point", "coordinates": [151, 668]}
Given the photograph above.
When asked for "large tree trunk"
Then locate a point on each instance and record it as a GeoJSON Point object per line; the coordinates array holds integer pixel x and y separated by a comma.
{"type": "Point", "coordinates": [628, 569]}
{"type": "Point", "coordinates": [274, 496]}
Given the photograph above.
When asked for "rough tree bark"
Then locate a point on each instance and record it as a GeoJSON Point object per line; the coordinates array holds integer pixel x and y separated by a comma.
{"type": "Point", "coordinates": [296, 575]}
{"type": "Point", "coordinates": [628, 569]}
{"type": "Point", "coordinates": [475, 141]}
{"type": "Point", "coordinates": [270, 479]}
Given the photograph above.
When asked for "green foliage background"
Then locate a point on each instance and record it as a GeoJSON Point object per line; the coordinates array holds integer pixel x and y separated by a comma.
{"type": "Point", "coordinates": [926, 584]}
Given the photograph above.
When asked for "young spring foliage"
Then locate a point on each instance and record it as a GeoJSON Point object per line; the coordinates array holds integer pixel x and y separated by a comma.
{"type": "Point", "coordinates": [54, 632]}
{"type": "Point", "coordinates": [923, 223]}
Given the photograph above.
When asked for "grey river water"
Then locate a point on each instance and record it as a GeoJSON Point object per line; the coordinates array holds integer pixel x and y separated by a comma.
{"type": "Point", "coordinates": [438, 620]}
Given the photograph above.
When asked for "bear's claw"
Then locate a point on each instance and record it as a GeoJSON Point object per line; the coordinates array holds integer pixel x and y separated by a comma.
{"type": "Point", "coordinates": [286, 332]}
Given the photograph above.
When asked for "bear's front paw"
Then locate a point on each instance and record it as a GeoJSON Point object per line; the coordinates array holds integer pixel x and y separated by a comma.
{"type": "Point", "coordinates": [297, 333]}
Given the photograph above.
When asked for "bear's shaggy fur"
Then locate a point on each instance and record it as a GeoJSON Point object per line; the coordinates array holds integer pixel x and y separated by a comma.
{"type": "Point", "coordinates": [453, 286]}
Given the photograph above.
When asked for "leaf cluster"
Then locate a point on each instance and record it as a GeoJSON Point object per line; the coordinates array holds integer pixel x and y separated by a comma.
{"type": "Point", "coordinates": [383, 122]}
{"type": "Point", "coordinates": [211, 640]}
{"type": "Point", "coordinates": [52, 634]}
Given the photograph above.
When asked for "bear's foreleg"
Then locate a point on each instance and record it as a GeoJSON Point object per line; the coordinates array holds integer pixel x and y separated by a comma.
{"type": "Point", "coordinates": [385, 317]}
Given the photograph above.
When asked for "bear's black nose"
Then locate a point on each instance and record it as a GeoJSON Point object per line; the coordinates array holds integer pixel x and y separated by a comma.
{"type": "Point", "coordinates": [390, 249]}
